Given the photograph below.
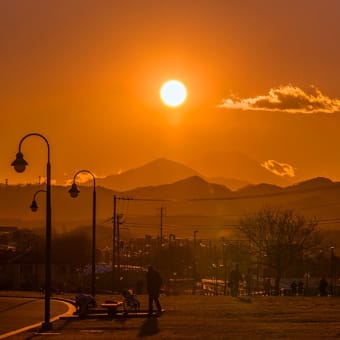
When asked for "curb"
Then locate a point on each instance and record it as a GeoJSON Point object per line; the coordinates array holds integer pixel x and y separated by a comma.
{"type": "Point", "coordinates": [70, 311]}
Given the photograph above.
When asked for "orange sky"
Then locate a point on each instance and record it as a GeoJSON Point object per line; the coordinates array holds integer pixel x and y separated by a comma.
{"type": "Point", "coordinates": [86, 74]}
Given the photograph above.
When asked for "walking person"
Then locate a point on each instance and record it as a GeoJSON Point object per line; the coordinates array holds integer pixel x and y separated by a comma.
{"type": "Point", "coordinates": [235, 277]}
{"type": "Point", "coordinates": [267, 287]}
{"type": "Point", "coordinates": [248, 282]}
{"type": "Point", "coordinates": [154, 283]}
{"type": "Point", "coordinates": [293, 287]}
{"type": "Point", "coordinates": [300, 288]}
{"type": "Point", "coordinates": [323, 287]}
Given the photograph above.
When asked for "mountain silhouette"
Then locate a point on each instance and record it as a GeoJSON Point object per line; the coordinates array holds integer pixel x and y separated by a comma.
{"type": "Point", "coordinates": [260, 189]}
{"type": "Point", "coordinates": [157, 172]}
{"type": "Point", "coordinates": [231, 183]}
{"type": "Point", "coordinates": [190, 203]}
{"type": "Point", "coordinates": [191, 187]}
{"type": "Point", "coordinates": [311, 184]}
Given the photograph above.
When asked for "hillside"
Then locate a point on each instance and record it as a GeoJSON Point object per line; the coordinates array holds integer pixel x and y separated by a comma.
{"type": "Point", "coordinates": [191, 187]}
{"type": "Point", "coordinates": [190, 204]}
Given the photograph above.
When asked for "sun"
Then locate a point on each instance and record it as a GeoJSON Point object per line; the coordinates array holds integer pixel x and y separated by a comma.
{"type": "Point", "coordinates": [173, 93]}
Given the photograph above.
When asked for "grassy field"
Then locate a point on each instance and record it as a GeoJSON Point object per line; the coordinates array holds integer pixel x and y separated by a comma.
{"type": "Point", "coordinates": [214, 317]}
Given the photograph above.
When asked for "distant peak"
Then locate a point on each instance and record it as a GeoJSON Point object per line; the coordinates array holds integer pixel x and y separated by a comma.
{"type": "Point", "coordinates": [163, 161]}
{"type": "Point", "coordinates": [193, 179]}
{"type": "Point", "coordinates": [314, 182]}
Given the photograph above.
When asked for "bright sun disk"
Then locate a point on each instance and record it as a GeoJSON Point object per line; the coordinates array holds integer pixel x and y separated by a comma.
{"type": "Point", "coordinates": [173, 93]}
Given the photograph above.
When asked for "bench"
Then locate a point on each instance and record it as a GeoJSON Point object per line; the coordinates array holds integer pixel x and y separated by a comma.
{"type": "Point", "coordinates": [112, 307]}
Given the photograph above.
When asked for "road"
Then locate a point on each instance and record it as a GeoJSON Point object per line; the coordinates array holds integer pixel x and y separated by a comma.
{"type": "Point", "coordinates": [18, 312]}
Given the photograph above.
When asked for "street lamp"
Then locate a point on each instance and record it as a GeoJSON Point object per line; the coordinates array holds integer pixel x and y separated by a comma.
{"type": "Point", "coordinates": [19, 165]}
{"type": "Point", "coordinates": [34, 206]}
{"type": "Point", "coordinates": [74, 191]}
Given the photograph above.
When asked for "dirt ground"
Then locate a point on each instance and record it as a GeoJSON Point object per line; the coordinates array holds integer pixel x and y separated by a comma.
{"type": "Point", "coordinates": [213, 317]}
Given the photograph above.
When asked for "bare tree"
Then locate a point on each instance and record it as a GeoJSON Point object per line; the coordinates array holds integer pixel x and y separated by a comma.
{"type": "Point", "coordinates": [279, 235]}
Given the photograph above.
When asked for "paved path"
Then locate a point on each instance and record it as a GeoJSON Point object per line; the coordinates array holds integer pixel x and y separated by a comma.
{"type": "Point", "coordinates": [17, 312]}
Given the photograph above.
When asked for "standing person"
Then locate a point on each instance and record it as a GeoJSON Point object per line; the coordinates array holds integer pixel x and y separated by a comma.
{"type": "Point", "coordinates": [323, 287]}
{"type": "Point", "coordinates": [300, 288]}
{"type": "Point", "coordinates": [235, 277]}
{"type": "Point", "coordinates": [154, 283]}
{"type": "Point", "coordinates": [248, 282]}
{"type": "Point", "coordinates": [293, 286]}
{"type": "Point", "coordinates": [267, 286]}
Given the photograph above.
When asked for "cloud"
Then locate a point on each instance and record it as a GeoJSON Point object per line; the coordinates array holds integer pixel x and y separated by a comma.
{"type": "Point", "coordinates": [42, 180]}
{"type": "Point", "coordinates": [280, 169]}
{"type": "Point", "coordinates": [82, 178]}
{"type": "Point", "coordinates": [286, 98]}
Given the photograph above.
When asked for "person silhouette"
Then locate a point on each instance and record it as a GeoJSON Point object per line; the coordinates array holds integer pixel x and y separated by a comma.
{"type": "Point", "coordinates": [235, 277]}
{"type": "Point", "coordinates": [154, 283]}
{"type": "Point", "coordinates": [300, 288]}
{"type": "Point", "coordinates": [267, 287]}
{"type": "Point", "coordinates": [83, 302]}
{"type": "Point", "coordinates": [293, 286]}
{"type": "Point", "coordinates": [323, 287]}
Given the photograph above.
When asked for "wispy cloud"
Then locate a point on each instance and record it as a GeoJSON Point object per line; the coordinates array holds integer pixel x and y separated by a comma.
{"type": "Point", "coordinates": [42, 180]}
{"type": "Point", "coordinates": [82, 178]}
{"type": "Point", "coordinates": [286, 98]}
{"type": "Point", "coordinates": [280, 169]}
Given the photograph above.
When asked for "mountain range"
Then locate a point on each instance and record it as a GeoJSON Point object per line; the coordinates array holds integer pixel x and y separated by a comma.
{"type": "Point", "coordinates": [163, 171]}
{"type": "Point", "coordinates": [188, 204]}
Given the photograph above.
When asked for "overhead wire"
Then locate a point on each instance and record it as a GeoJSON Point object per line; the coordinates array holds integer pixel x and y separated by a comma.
{"type": "Point", "coordinates": [290, 192]}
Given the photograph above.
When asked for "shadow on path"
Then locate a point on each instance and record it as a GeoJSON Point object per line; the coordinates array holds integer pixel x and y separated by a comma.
{"type": "Point", "coordinates": [149, 327]}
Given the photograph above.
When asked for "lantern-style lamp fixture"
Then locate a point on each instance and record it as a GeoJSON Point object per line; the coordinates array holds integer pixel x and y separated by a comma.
{"type": "Point", "coordinates": [74, 190]}
{"type": "Point", "coordinates": [19, 163]}
{"type": "Point", "coordinates": [34, 206]}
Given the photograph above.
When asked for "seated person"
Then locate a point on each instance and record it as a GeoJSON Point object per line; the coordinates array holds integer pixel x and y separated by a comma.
{"type": "Point", "coordinates": [130, 299]}
{"type": "Point", "coordinates": [83, 302]}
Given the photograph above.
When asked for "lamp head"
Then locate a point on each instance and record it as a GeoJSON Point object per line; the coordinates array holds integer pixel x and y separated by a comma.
{"type": "Point", "coordinates": [34, 206]}
{"type": "Point", "coordinates": [74, 190]}
{"type": "Point", "coordinates": [19, 163]}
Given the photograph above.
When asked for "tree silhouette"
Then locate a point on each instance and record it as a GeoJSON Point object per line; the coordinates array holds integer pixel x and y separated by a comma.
{"type": "Point", "coordinates": [281, 237]}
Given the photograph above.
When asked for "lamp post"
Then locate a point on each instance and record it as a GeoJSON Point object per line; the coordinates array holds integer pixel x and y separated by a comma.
{"type": "Point", "coordinates": [19, 165]}
{"type": "Point", "coordinates": [74, 191]}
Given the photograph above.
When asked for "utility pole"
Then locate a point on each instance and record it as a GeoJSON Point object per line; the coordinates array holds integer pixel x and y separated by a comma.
{"type": "Point", "coordinates": [333, 280]}
{"type": "Point", "coordinates": [119, 222]}
{"type": "Point", "coordinates": [115, 239]}
{"type": "Point", "coordinates": [194, 264]}
{"type": "Point", "coordinates": [216, 270]}
{"type": "Point", "coordinates": [225, 266]}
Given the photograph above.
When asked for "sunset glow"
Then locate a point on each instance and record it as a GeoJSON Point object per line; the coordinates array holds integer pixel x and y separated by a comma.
{"type": "Point", "coordinates": [180, 80]}
{"type": "Point", "coordinates": [186, 151]}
